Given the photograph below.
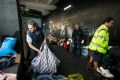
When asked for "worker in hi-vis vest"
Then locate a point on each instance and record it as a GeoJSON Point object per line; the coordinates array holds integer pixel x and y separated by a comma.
{"type": "Point", "coordinates": [99, 46]}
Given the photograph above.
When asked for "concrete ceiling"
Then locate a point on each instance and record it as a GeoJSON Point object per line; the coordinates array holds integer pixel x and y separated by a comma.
{"type": "Point", "coordinates": [44, 6]}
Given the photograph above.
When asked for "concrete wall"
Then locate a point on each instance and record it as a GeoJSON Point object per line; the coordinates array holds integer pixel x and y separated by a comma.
{"type": "Point", "coordinates": [8, 17]}
{"type": "Point", "coordinates": [89, 15]}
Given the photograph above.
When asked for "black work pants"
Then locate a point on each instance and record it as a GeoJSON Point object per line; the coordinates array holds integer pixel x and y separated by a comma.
{"type": "Point", "coordinates": [77, 50]}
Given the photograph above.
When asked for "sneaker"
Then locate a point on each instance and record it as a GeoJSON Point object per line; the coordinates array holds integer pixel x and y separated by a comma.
{"type": "Point", "coordinates": [105, 73]}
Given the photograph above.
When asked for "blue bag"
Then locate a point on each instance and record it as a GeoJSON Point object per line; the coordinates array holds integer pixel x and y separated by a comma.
{"type": "Point", "coordinates": [8, 46]}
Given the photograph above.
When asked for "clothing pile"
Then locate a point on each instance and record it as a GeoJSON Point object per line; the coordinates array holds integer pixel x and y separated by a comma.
{"type": "Point", "coordinates": [49, 77]}
{"type": "Point", "coordinates": [6, 61]}
{"type": "Point", "coordinates": [74, 77]}
{"type": "Point", "coordinates": [7, 52]}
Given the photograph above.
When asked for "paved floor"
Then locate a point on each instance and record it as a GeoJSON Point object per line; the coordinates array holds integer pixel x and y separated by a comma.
{"type": "Point", "coordinates": [71, 65]}
{"type": "Point", "coordinates": [11, 69]}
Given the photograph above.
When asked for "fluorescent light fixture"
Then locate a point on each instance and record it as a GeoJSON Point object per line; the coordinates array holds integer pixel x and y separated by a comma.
{"type": "Point", "coordinates": [69, 6]}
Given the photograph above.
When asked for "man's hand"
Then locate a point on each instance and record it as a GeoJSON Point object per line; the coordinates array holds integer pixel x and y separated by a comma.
{"type": "Point", "coordinates": [44, 41]}
{"type": "Point", "coordinates": [34, 48]}
{"type": "Point", "coordinates": [82, 41]}
{"type": "Point", "coordinates": [110, 47]}
{"type": "Point", "coordinates": [39, 51]}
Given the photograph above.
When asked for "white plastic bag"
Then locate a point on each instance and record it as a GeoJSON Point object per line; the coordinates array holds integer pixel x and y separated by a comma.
{"type": "Point", "coordinates": [45, 62]}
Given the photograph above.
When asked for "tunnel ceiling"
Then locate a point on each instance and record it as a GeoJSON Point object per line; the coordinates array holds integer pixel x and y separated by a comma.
{"type": "Point", "coordinates": [47, 6]}
{"type": "Point", "coordinates": [44, 6]}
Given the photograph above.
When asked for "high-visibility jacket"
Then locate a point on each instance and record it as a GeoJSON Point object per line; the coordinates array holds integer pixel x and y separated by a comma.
{"type": "Point", "coordinates": [100, 40]}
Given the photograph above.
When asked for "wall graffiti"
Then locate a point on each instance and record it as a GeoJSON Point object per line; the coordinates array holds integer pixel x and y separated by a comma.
{"type": "Point", "coordinates": [89, 29]}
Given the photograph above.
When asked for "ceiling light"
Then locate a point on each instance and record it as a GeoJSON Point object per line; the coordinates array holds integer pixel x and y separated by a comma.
{"type": "Point", "coordinates": [69, 6]}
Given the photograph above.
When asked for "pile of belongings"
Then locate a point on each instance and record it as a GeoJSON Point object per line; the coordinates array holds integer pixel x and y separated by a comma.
{"type": "Point", "coordinates": [7, 52]}
{"type": "Point", "coordinates": [74, 77]}
{"type": "Point", "coordinates": [52, 40]}
{"type": "Point", "coordinates": [6, 61]}
{"type": "Point", "coordinates": [49, 77]}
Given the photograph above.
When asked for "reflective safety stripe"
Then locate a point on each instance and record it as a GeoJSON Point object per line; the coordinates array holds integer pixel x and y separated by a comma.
{"type": "Point", "coordinates": [97, 45]}
{"type": "Point", "coordinates": [101, 37]}
{"type": "Point", "coordinates": [106, 40]}
{"type": "Point", "coordinates": [98, 36]}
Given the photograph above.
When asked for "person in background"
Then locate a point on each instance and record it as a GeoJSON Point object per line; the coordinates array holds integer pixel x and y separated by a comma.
{"type": "Point", "coordinates": [77, 37]}
{"type": "Point", "coordinates": [99, 46]}
{"type": "Point", "coordinates": [35, 37]}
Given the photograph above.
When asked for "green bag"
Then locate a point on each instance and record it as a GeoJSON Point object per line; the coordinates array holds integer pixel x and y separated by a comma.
{"type": "Point", "coordinates": [75, 77]}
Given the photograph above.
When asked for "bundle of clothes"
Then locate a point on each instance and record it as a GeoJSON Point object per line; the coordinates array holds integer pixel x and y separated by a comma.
{"type": "Point", "coordinates": [7, 52]}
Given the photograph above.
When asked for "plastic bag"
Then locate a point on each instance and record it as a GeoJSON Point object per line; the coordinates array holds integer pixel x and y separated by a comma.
{"type": "Point", "coordinates": [45, 62]}
{"type": "Point", "coordinates": [8, 46]}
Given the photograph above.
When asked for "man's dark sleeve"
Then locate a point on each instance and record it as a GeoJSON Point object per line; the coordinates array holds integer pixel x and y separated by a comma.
{"type": "Point", "coordinates": [73, 34]}
{"type": "Point", "coordinates": [82, 34]}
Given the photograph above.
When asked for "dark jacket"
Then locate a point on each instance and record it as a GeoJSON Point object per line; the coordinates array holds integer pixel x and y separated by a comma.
{"type": "Point", "coordinates": [37, 37]}
{"type": "Point", "coordinates": [77, 36]}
